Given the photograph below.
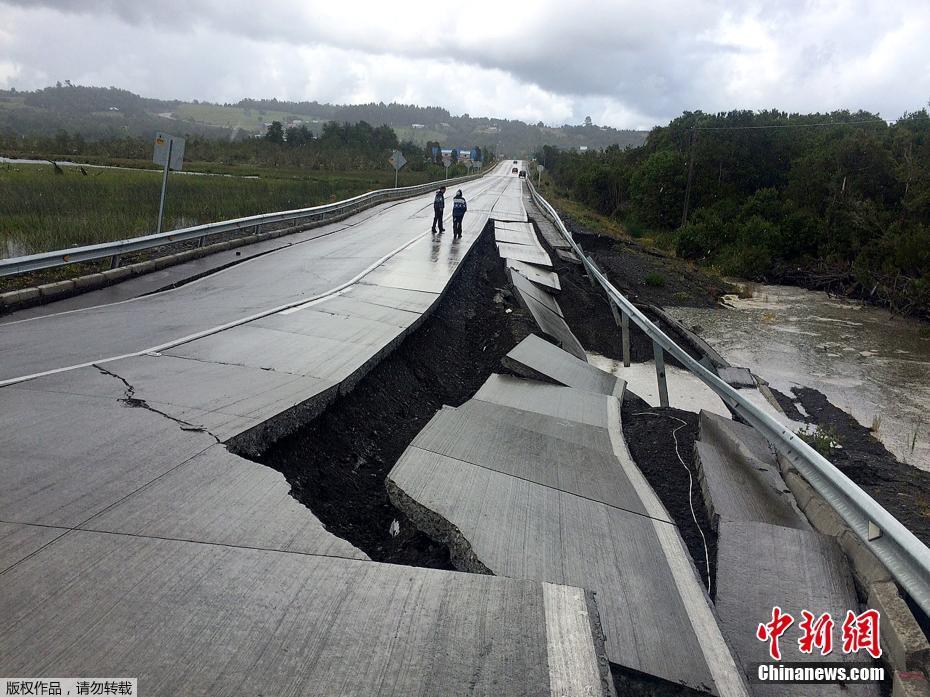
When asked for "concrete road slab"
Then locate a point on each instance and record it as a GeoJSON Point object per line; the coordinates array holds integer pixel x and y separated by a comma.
{"type": "Point", "coordinates": [512, 225]}
{"type": "Point", "coordinates": [220, 498]}
{"type": "Point", "coordinates": [549, 322]}
{"type": "Point", "coordinates": [592, 437]}
{"type": "Point", "coordinates": [739, 476]}
{"type": "Point", "coordinates": [537, 274]}
{"type": "Point", "coordinates": [760, 566]}
{"type": "Point", "coordinates": [541, 295]}
{"type": "Point", "coordinates": [552, 236]}
{"type": "Point", "coordinates": [65, 457]}
{"type": "Point", "coordinates": [550, 400]}
{"type": "Point", "coordinates": [510, 205]}
{"type": "Point", "coordinates": [544, 358]}
{"type": "Point", "coordinates": [737, 377]}
{"type": "Point", "coordinates": [231, 295]}
{"type": "Point", "coordinates": [568, 255]}
{"type": "Point", "coordinates": [189, 618]}
{"type": "Point", "coordinates": [516, 233]}
{"type": "Point", "coordinates": [326, 360]}
{"type": "Point", "coordinates": [521, 529]}
{"type": "Point", "coordinates": [523, 252]}
{"type": "Point", "coordinates": [18, 541]}
{"type": "Point", "coordinates": [317, 323]}
{"type": "Point", "coordinates": [397, 298]}
{"type": "Point", "coordinates": [530, 455]}
{"type": "Point", "coordinates": [344, 306]}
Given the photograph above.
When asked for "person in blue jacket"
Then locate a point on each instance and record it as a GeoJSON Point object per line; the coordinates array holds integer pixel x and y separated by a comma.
{"type": "Point", "coordinates": [439, 205]}
{"type": "Point", "coordinates": [458, 212]}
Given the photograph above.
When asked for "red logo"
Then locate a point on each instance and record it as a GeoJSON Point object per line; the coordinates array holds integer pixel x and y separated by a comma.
{"type": "Point", "coordinates": [772, 631]}
{"type": "Point", "coordinates": [860, 632]}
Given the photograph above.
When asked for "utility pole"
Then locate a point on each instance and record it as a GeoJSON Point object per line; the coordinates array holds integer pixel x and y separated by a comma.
{"type": "Point", "coordinates": [684, 211]}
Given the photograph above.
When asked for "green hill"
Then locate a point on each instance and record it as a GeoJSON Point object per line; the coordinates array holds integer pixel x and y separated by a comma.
{"type": "Point", "coordinates": [98, 113]}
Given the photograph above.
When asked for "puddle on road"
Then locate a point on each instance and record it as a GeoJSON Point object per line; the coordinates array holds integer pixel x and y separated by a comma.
{"type": "Point", "coordinates": [868, 363]}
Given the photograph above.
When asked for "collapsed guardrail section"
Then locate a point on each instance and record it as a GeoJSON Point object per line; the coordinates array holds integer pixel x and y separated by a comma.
{"type": "Point", "coordinates": [905, 557]}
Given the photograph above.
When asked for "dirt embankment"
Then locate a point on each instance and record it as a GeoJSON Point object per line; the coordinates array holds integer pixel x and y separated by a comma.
{"type": "Point", "coordinates": [337, 464]}
{"type": "Point", "coordinates": [903, 490]}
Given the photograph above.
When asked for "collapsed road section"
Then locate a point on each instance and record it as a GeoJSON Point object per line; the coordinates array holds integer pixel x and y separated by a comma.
{"type": "Point", "coordinates": [135, 544]}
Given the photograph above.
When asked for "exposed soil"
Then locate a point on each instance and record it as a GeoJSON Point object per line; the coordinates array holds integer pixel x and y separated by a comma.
{"type": "Point", "coordinates": [903, 490]}
{"type": "Point", "coordinates": [587, 310]}
{"type": "Point", "coordinates": [337, 464]}
{"type": "Point", "coordinates": [789, 406]}
{"type": "Point", "coordinates": [648, 276]}
{"type": "Point", "coordinates": [651, 434]}
{"type": "Point", "coordinates": [632, 683]}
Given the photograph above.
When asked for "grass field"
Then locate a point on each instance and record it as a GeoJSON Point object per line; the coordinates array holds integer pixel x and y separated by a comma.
{"type": "Point", "coordinates": [43, 211]}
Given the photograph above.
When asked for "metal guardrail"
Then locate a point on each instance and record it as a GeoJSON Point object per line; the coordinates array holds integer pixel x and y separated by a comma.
{"type": "Point", "coordinates": [905, 557]}
{"type": "Point", "coordinates": [113, 250]}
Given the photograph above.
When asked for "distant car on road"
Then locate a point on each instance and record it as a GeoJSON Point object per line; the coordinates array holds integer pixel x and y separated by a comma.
{"type": "Point", "coordinates": [523, 173]}
{"type": "Point", "coordinates": [514, 170]}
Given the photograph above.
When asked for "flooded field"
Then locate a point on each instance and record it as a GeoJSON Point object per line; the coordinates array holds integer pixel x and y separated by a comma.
{"type": "Point", "coordinates": [870, 364]}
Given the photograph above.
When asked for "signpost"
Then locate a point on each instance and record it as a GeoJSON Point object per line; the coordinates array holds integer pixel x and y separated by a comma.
{"type": "Point", "coordinates": [169, 152]}
{"type": "Point", "coordinates": [397, 161]}
{"type": "Point", "coordinates": [447, 162]}
{"type": "Point", "coordinates": [539, 170]}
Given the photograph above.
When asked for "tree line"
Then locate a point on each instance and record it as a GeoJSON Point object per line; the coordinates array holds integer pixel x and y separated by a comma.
{"type": "Point", "coordinates": [335, 147]}
{"type": "Point", "coordinates": [838, 201]}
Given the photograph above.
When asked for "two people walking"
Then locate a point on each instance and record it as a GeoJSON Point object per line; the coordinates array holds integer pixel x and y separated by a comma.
{"type": "Point", "coordinates": [459, 206]}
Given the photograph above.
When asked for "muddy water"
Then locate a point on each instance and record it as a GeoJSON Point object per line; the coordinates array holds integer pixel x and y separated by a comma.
{"type": "Point", "coordinates": [874, 366]}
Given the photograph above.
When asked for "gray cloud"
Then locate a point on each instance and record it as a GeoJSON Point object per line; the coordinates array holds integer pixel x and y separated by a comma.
{"type": "Point", "coordinates": [627, 63]}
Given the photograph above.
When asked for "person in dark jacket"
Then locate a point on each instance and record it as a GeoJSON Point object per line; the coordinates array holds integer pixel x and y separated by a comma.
{"type": "Point", "coordinates": [439, 205]}
{"type": "Point", "coordinates": [458, 212]}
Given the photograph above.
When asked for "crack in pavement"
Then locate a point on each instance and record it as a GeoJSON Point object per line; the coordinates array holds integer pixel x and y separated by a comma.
{"type": "Point", "coordinates": [130, 400]}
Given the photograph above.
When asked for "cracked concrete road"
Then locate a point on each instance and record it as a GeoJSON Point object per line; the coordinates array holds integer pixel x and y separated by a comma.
{"type": "Point", "coordinates": [80, 337]}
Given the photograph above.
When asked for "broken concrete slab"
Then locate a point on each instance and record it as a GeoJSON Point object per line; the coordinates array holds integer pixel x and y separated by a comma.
{"type": "Point", "coordinates": [517, 528]}
{"type": "Point", "coordinates": [739, 475]}
{"type": "Point", "coordinates": [220, 498]}
{"type": "Point", "coordinates": [550, 321]}
{"type": "Point", "coordinates": [736, 377]}
{"type": "Point", "coordinates": [549, 232]}
{"type": "Point", "coordinates": [262, 622]}
{"type": "Point", "coordinates": [516, 233]}
{"type": "Point", "coordinates": [541, 357]}
{"type": "Point", "coordinates": [522, 252]}
{"type": "Point", "coordinates": [569, 256]}
{"type": "Point", "coordinates": [527, 288]}
{"type": "Point", "coordinates": [593, 437]}
{"type": "Point", "coordinates": [760, 566]}
{"type": "Point", "coordinates": [536, 274]}
{"type": "Point", "coordinates": [549, 400]}
{"type": "Point", "coordinates": [529, 455]}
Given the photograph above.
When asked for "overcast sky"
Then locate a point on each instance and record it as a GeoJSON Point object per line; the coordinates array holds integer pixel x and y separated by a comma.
{"type": "Point", "coordinates": [626, 63]}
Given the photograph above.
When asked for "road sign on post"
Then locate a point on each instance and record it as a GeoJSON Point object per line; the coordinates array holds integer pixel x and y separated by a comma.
{"type": "Point", "coordinates": [447, 162]}
{"type": "Point", "coordinates": [169, 153]}
{"type": "Point", "coordinates": [397, 161]}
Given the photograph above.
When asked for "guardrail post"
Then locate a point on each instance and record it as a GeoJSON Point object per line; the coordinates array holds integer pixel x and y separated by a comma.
{"type": "Point", "coordinates": [623, 321]}
{"type": "Point", "coordinates": [200, 241]}
{"type": "Point", "coordinates": [114, 261]}
{"type": "Point", "coordinates": [660, 373]}
{"type": "Point", "coordinates": [625, 331]}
